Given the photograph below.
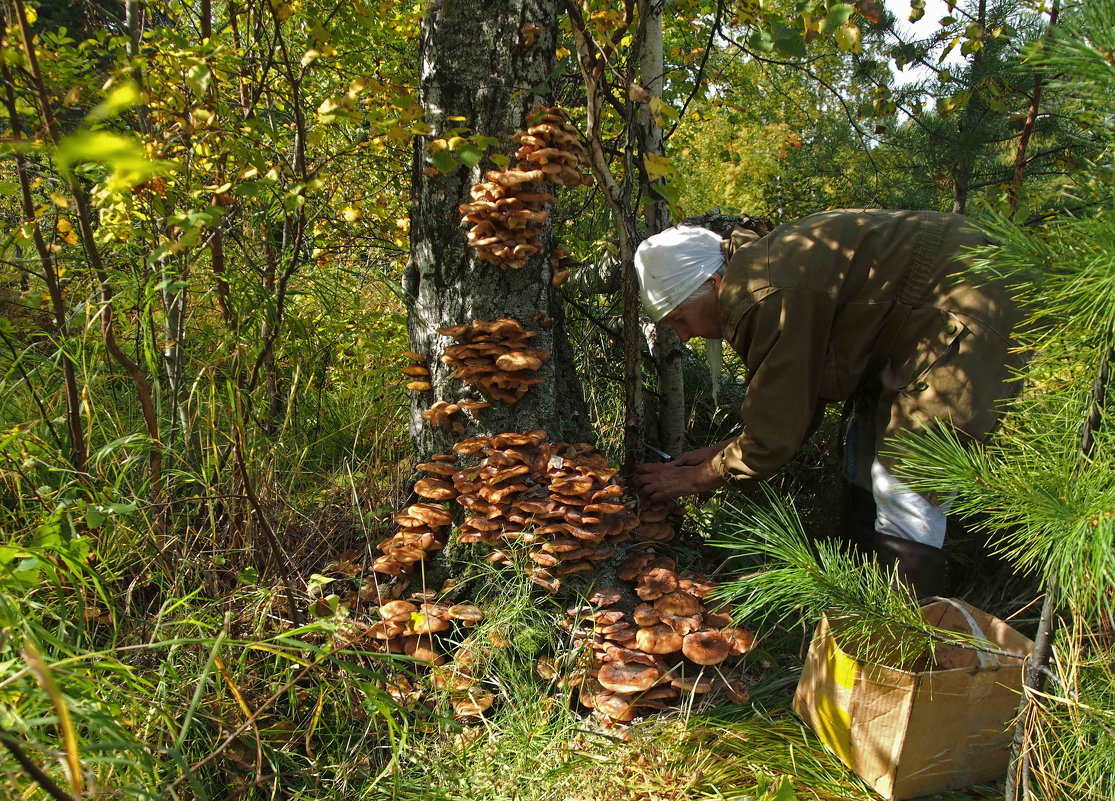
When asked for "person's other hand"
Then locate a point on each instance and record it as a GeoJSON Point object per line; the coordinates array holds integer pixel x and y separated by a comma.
{"type": "Point", "coordinates": [660, 482]}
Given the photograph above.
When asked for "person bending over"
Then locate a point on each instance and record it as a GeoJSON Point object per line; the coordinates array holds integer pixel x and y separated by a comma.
{"type": "Point", "coordinates": [859, 306]}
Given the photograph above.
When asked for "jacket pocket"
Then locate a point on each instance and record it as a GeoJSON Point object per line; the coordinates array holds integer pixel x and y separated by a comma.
{"type": "Point", "coordinates": [928, 338]}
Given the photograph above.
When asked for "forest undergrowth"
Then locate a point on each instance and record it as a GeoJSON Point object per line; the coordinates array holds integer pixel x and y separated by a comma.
{"type": "Point", "coordinates": [205, 434]}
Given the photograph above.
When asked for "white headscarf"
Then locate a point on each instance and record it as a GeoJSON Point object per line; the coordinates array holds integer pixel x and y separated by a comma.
{"type": "Point", "coordinates": [672, 264]}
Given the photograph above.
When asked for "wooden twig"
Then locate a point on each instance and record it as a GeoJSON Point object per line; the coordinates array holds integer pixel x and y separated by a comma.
{"type": "Point", "coordinates": [592, 65]}
{"type": "Point", "coordinates": [33, 770]}
{"type": "Point", "coordinates": [93, 254]}
{"type": "Point", "coordinates": [78, 453]}
{"type": "Point", "coordinates": [1031, 120]}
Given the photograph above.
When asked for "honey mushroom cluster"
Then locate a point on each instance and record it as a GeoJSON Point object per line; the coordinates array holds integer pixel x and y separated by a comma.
{"type": "Point", "coordinates": [410, 627]}
{"type": "Point", "coordinates": [641, 661]}
{"type": "Point", "coordinates": [562, 264]}
{"type": "Point", "coordinates": [559, 498]}
{"type": "Point", "coordinates": [422, 529]}
{"type": "Point", "coordinates": [417, 373]}
{"type": "Point", "coordinates": [493, 356]}
{"type": "Point", "coordinates": [506, 216]}
{"type": "Point", "coordinates": [654, 523]}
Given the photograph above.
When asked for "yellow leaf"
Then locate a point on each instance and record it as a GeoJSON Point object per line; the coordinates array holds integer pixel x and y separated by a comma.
{"type": "Point", "coordinates": [32, 15]}
{"type": "Point", "coordinates": [657, 166]}
{"type": "Point", "coordinates": [351, 214]}
{"type": "Point", "coordinates": [63, 225]}
{"type": "Point", "coordinates": [310, 57]}
{"type": "Point", "coordinates": [70, 238]}
{"type": "Point", "coordinates": [60, 200]}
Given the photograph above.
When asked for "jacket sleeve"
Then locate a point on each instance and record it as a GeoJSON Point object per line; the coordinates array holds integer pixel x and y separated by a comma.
{"type": "Point", "coordinates": [783, 339]}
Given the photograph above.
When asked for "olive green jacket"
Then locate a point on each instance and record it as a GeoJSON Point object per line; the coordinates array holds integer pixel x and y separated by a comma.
{"type": "Point", "coordinates": [845, 302]}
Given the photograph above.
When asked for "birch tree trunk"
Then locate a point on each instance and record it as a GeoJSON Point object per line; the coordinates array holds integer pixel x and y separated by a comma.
{"type": "Point", "coordinates": [476, 64]}
{"type": "Point", "coordinates": [666, 348]}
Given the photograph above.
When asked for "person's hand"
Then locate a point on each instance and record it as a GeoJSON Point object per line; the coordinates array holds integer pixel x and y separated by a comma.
{"type": "Point", "coordinates": [701, 455]}
{"type": "Point", "coordinates": [660, 482]}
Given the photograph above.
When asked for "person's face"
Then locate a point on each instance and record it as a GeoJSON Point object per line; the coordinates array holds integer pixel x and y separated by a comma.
{"type": "Point", "coordinates": [698, 318]}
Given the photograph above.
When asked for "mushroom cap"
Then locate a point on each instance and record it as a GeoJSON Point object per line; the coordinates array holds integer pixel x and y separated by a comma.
{"type": "Point", "coordinates": [617, 706]}
{"type": "Point", "coordinates": [438, 468]}
{"type": "Point", "coordinates": [678, 603]}
{"type": "Point", "coordinates": [739, 640]}
{"type": "Point", "coordinates": [416, 370]}
{"type": "Point", "coordinates": [419, 386]}
{"type": "Point", "coordinates": [738, 692]}
{"type": "Point", "coordinates": [646, 615]}
{"type": "Point", "coordinates": [386, 629]}
{"type": "Point", "coordinates": [716, 620]}
{"type": "Point", "coordinates": [431, 514]}
{"type": "Point", "coordinates": [422, 648]}
{"type": "Point", "coordinates": [473, 705]}
{"type": "Point", "coordinates": [466, 613]}
{"type": "Point", "coordinates": [628, 677]}
{"type": "Point", "coordinates": [683, 624]}
{"type": "Point", "coordinates": [397, 610]}
{"type": "Point", "coordinates": [705, 647]}
{"type": "Point", "coordinates": [435, 489]}
{"type": "Point", "coordinates": [390, 565]}
{"type": "Point", "coordinates": [655, 583]}
{"type": "Point", "coordinates": [698, 684]}
{"type": "Point", "coordinates": [656, 532]}
{"type": "Point", "coordinates": [605, 596]}
{"type": "Point", "coordinates": [657, 639]}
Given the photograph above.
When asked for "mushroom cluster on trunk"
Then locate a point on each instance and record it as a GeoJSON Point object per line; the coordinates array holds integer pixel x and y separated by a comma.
{"type": "Point", "coordinates": [418, 376]}
{"type": "Point", "coordinates": [668, 648]}
{"type": "Point", "coordinates": [562, 264]}
{"type": "Point", "coordinates": [507, 213]}
{"type": "Point", "coordinates": [422, 528]}
{"type": "Point", "coordinates": [493, 356]}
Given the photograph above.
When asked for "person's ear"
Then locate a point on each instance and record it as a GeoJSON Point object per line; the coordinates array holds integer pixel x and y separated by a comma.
{"type": "Point", "coordinates": [716, 279]}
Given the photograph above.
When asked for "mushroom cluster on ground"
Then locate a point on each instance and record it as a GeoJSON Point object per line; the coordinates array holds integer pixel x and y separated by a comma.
{"type": "Point", "coordinates": [415, 628]}
{"type": "Point", "coordinates": [506, 213]}
{"type": "Point", "coordinates": [559, 498]}
{"type": "Point", "coordinates": [494, 357]}
{"type": "Point", "coordinates": [666, 650]}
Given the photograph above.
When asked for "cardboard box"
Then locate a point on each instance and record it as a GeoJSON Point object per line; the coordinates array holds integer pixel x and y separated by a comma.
{"type": "Point", "coordinates": [912, 733]}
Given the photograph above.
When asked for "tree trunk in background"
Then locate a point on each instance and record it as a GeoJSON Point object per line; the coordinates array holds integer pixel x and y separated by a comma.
{"type": "Point", "coordinates": [474, 65]}
{"type": "Point", "coordinates": [666, 348]}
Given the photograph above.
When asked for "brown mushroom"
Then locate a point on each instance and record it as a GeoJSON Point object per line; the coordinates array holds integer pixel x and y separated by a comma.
{"type": "Point", "coordinates": [435, 489]}
{"type": "Point", "coordinates": [624, 677]}
{"type": "Point", "coordinates": [422, 648]}
{"type": "Point", "coordinates": [705, 647]}
{"type": "Point", "coordinates": [740, 641]}
{"type": "Point", "coordinates": [473, 705]}
{"type": "Point", "coordinates": [678, 603]}
{"type": "Point", "coordinates": [657, 639]}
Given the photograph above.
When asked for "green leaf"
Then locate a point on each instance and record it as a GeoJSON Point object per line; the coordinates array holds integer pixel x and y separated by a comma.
{"type": "Point", "coordinates": [124, 157]}
{"type": "Point", "coordinates": [848, 38]}
{"type": "Point", "coordinates": [8, 187]}
{"type": "Point", "coordinates": [121, 97]}
{"type": "Point", "coordinates": [500, 160]}
{"type": "Point", "coordinates": [198, 78]}
{"type": "Point", "coordinates": [94, 517]}
{"type": "Point", "coordinates": [469, 155]}
{"type": "Point", "coordinates": [788, 41]}
{"type": "Point", "coordinates": [445, 162]}
{"type": "Point", "coordinates": [837, 16]}
{"type": "Point", "coordinates": [761, 41]}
